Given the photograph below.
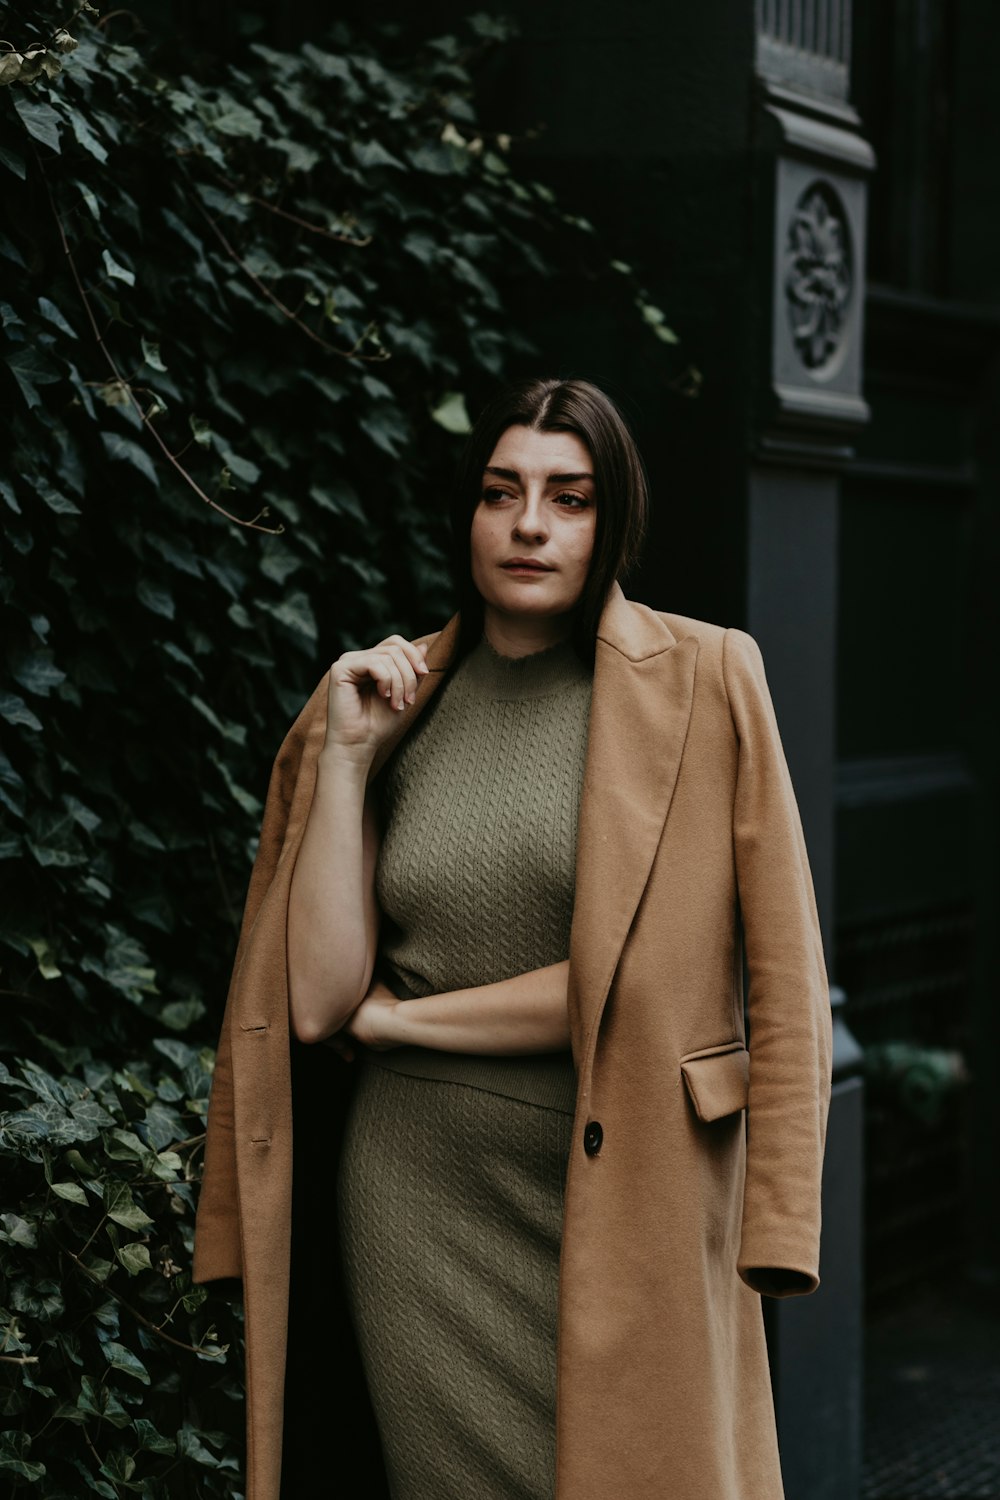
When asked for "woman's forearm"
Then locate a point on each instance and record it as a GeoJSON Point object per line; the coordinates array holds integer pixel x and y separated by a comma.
{"type": "Point", "coordinates": [332, 927]}
{"type": "Point", "coordinates": [525, 1014]}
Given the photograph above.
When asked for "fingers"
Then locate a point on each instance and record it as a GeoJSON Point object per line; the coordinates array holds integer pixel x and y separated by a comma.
{"type": "Point", "coordinates": [412, 654]}
{"type": "Point", "coordinates": [390, 680]}
{"type": "Point", "coordinates": [402, 667]}
{"type": "Point", "coordinates": [395, 666]}
{"type": "Point", "coordinates": [342, 1045]}
{"type": "Point", "coordinates": [381, 991]}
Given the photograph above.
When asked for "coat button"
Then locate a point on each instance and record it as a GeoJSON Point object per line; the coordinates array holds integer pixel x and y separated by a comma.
{"type": "Point", "coordinates": [593, 1135]}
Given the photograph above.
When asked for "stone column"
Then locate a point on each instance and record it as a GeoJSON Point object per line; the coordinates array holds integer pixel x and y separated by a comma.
{"type": "Point", "coordinates": [812, 165]}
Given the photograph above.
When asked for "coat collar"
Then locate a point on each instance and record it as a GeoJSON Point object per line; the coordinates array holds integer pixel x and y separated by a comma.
{"type": "Point", "coordinates": [640, 709]}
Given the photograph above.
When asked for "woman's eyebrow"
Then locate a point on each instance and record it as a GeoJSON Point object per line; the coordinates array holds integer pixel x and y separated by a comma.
{"type": "Point", "coordinates": [550, 478]}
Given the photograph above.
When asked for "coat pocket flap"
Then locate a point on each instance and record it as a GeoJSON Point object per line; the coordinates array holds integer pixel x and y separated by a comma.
{"type": "Point", "coordinates": [718, 1081]}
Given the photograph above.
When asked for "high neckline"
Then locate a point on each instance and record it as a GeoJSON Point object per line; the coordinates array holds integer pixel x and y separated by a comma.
{"type": "Point", "coordinates": [527, 676]}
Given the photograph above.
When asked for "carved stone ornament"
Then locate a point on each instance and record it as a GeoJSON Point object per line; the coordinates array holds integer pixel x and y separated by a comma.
{"type": "Point", "coordinates": [818, 277]}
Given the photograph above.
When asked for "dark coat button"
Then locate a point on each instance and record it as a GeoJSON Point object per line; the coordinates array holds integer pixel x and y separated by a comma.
{"type": "Point", "coordinates": [593, 1135]}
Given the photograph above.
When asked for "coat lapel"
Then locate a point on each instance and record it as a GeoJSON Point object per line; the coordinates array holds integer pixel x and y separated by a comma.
{"type": "Point", "coordinates": [640, 709]}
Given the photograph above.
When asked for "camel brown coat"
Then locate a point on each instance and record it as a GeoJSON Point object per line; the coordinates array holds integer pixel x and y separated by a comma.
{"type": "Point", "coordinates": [690, 851]}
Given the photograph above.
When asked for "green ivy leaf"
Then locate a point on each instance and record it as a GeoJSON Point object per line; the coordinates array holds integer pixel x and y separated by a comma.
{"type": "Point", "coordinates": [36, 671]}
{"type": "Point", "coordinates": [40, 121]}
{"type": "Point", "coordinates": [71, 1191]}
{"type": "Point", "coordinates": [18, 1231]}
{"type": "Point", "coordinates": [189, 1443]}
{"type": "Point", "coordinates": [89, 1118]}
{"type": "Point", "coordinates": [90, 200]}
{"type": "Point", "coordinates": [243, 468]}
{"type": "Point", "coordinates": [123, 449]}
{"type": "Point", "coordinates": [14, 1447]}
{"type": "Point", "coordinates": [86, 137]}
{"type": "Point", "coordinates": [126, 965]}
{"type": "Point", "coordinates": [246, 800]}
{"type": "Point", "coordinates": [40, 1298]}
{"type": "Point", "coordinates": [55, 500]}
{"type": "Point", "coordinates": [135, 1257]}
{"type": "Point", "coordinates": [130, 1080]}
{"type": "Point", "coordinates": [151, 354]}
{"type": "Point", "coordinates": [42, 1082]}
{"type": "Point", "coordinates": [120, 1206]}
{"type": "Point", "coordinates": [163, 1125]}
{"type": "Point", "coordinates": [340, 498]}
{"type": "Point", "coordinates": [450, 413]}
{"type": "Point", "coordinates": [155, 598]}
{"type": "Point", "coordinates": [235, 732]}
{"type": "Point", "coordinates": [13, 160]}
{"type": "Point", "coordinates": [372, 154]}
{"type": "Point", "coordinates": [296, 612]}
{"type": "Point", "coordinates": [150, 1440]}
{"type": "Point", "coordinates": [193, 1299]}
{"type": "Point", "coordinates": [16, 711]}
{"type": "Point", "coordinates": [299, 157]}
{"type": "Point", "coordinates": [54, 840]}
{"type": "Point", "coordinates": [47, 966]}
{"type": "Point", "coordinates": [31, 368]}
{"type": "Point", "coordinates": [129, 1146]}
{"type": "Point", "coordinates": [49, 310]}
{"type": "Point", "coordinates": [98, 1267]}
{"type": "Point", "coordinates": [118, 1465]}
{"type": "Point", "coordinates": [654, 316]}
{"type": "Point", "coordinates": [443, 160]}
{"type": "Point", "coordinates": [236, 120]}
{"type": "Point", "coordinates": [117, 271]}
{"type": "Point", "coordinates": [120, 1358]}
{"type": "Point", "coordinates": [98, 1400]}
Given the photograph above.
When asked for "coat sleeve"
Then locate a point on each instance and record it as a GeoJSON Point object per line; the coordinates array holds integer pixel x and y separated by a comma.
{"type": "Point", "coordinates": [217, 1252]}
{"type": "Point", "coordinates": [788, 1004]}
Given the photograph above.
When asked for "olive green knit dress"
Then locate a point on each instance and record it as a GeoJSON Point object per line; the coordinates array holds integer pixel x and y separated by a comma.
{"type": "Point", "coordinates": [450, 1180]}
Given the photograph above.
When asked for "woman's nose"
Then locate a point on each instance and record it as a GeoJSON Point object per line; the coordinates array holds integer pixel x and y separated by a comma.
{"type": "Point", "coordinates": [530, 522]}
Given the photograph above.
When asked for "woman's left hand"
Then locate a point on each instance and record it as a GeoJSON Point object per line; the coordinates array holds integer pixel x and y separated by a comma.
{"type": "Point", "coordinates": [368, 1025]}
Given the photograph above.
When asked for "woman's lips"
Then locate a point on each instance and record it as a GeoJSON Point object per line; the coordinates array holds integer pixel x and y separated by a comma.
{"type": "Point", "coordinates": [525, 568]}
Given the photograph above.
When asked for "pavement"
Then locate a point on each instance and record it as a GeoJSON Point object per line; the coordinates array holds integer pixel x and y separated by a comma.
{"type": "Point", "coordinates": [932, 1395]}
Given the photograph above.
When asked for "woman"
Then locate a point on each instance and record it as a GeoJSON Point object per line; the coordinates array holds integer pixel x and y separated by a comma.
{"type": "Point", "coordinates": [522, 911]}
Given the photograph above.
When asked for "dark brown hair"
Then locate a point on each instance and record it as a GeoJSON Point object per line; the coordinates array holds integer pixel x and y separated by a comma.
{"type": "Point", "coordinates": [620, 485]}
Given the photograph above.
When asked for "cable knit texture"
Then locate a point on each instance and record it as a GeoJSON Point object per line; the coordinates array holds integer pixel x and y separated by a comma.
{"type": "Point", "coordinates": [450, 1203]}
{"type": "Point", "coordinates": [452, 1167]}
{"type": "Point", "coordinates": [476, 869]}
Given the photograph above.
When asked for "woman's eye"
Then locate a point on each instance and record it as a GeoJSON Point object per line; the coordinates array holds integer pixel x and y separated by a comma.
{"type": "Point", "coordinates": [580, 500]}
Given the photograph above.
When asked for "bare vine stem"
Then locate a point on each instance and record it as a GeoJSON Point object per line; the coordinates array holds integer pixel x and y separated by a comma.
{"type": "Point", "coordinates": [121, 11]}
{"type": "Point", "coordinates": [140, 1317]}
{"type": "Point", "coordinates": [287, 312]}
{"type": "Point", "coordinates": [282, 213]}
{"type": "Point", "coordinates": [100, 1461]}
{"type": "Point", "coordinates": [146, 421]}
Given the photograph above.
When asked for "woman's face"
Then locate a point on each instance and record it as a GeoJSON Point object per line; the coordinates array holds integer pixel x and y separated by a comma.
{"type": "Point", "coordinates": [537, 501]}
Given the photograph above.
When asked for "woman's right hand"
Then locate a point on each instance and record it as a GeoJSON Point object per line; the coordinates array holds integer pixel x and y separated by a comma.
{"type": "Point", "coordinates": [367, 689]}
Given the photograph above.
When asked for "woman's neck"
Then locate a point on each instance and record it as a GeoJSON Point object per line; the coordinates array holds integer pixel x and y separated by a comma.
{"type": "Point", "coordinates": [525, 635]}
